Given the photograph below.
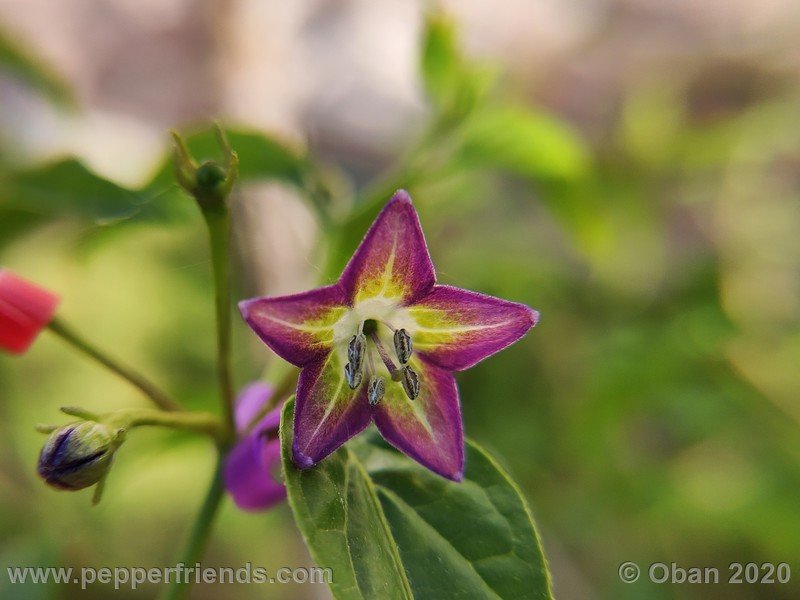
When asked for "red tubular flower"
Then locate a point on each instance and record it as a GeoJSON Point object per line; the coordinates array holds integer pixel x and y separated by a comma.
{"type": "Point", "coordinates": [25, 309]}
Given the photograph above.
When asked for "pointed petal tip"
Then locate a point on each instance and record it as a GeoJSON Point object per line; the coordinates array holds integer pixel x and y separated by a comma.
{"type": "Point", "coordinates": [244, 306]}
{"type": "Point", "coordinates": [534, 316]}
{"type": "Point", "coordinates": [453, 472]}
{"type": "Point", "coordinates": [401, 195]}
{"type": "Point", "coordinates": [457, 477]}
{"type": "Point", "coordinates": [300, 460]}
{"type": "Point", "coordinates": [457, 474]}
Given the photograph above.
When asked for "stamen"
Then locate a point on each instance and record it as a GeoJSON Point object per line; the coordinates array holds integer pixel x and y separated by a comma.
{"type": "Point", "coordinates": [353, 377]}
{"type": "Point", "coordinates": [410, 382]}
{"type": "Point", "coordinates": [402, 345]}
{"type": "Point", "coordinates": [377, 388]}
{"type": "Point", "coordinates": [356, 349]}
{"type": "Point", "coordinates": [353, 370]}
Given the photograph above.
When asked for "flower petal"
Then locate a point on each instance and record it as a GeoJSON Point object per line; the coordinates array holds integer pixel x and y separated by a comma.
{"type": "Point", "coordinates": [250, 403]}
{"type": "Point", "coordinates": [392, 261]}
{"type": "Point", "coordinates": [458, 328]}
{"type": "Point", "coordinates": [251, 471]}
{"type": "Point", "coordinates": [327, 412]}
{"type": "Point", "coordinates": [298, 328]}
{"type": "Point", "coordinates": [25, 309]}
{"type": "Point", "coordinates": [427, 429]}
{"type": "Point", "coordinates": [252, 466]}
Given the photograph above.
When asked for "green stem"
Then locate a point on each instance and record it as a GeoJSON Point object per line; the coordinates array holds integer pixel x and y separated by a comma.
{"type": "Point", "coordinates": [159, 398]}
{"type": "Point", "coordinates": [219, 224]}
{"type": "Point", "coordinates": [201, 530]}
{"type": "Point", "coordinates": [196, 422]}
{"type": "Point", "coordinates": [211, 185]}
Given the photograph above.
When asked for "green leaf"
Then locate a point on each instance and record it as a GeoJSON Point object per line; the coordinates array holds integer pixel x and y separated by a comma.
{"type": "Point", "coordinates": [371, 514]}
{"type": "Point", "coordinates": [33, 71]}
{"type": "Point", "coordinates": [15, 224]}
{"type": "Point", "coordinates": [341, 519]}
{"type": "Point", "coordinates": [68, 189]}
{"type": "Point", "coordinates": [440, 59]}
{"type": "Point", "coordinates": [525, 142]}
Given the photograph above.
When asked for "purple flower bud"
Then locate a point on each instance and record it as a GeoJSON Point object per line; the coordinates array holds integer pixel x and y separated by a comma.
{"type": "Point", "coordinates": [252, 468]}
{"type": "Point", "coordinates": [77, 455]}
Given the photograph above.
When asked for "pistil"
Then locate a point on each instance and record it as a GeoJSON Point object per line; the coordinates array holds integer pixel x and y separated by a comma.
{"type": "Point", "coordinates": [387, 360]}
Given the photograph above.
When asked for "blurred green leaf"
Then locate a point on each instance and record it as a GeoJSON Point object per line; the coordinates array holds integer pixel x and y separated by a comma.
{"type": "Point", "coordinates": [441, 62]}
{"type": "Point", "coordinates": [381, 521]}
{"type": "Point", "coordinates": [528, 143]}
{"type": "Point", "coordinates": [453, 85]}
{"type": "Point", "coordinates": [66, 188]}
{"type": "Point", "coordinates": [15, 223]}
{"type": "Point", "coordinates": [33, 71]}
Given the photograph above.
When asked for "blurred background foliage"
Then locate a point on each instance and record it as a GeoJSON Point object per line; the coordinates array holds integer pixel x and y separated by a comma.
{"type": "Point", "coordinates": [629, 168]}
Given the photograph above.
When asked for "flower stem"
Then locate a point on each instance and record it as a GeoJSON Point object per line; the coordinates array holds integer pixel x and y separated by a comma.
{"type": "Point", "coordinates": [195, 422]}
{"type": "Point", "coordinates": [159, 398]}
{"type": "Point", "coordinates": [218, 221]}
{"type": "Point", "coordinates": [201, 530]}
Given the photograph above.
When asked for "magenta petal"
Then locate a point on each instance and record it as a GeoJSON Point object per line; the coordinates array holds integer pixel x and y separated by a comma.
{"type": "Point", "coordinates": [327, 412]}
{"type": "Point", "coordinates": [251, 401]}
{"type": "Point", "coordinates": [252, 466]}
{"type": "Point", "coordinates": [457, 328]}
{"type": "Point", "coordinates": [251, 470]}
{"type": "Point", "coordinates": [392, 260]}
{"type": "Point", "coordinates": [298, 328]}
{"type": "Point", "coordinates": [428, 429]}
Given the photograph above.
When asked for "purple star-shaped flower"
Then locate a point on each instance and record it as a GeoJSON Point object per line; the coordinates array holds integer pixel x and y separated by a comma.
{"type": "Point", "coordinates": [381, 345]}
{"type": "Point", "coordinates": [252, 468]}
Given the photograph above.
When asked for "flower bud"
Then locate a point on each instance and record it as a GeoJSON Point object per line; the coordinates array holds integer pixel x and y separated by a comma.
{"type": "Point", "coordinates": [25, 309]}
{"type": "Point", "coordinates": [78, 455]}
{"type": "Point", "coordinates": [209, 182]}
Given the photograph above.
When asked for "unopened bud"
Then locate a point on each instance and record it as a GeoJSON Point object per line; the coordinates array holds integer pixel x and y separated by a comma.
{"type": "Point", "coordinates": [77, 455]}
{"type": "Point", "coordinates": [209, 182]}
